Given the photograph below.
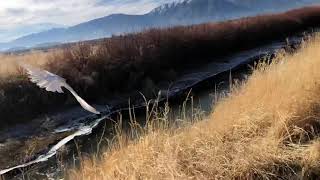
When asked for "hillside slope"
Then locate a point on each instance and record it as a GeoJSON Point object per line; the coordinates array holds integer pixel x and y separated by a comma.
{"type": "Point", "coordinates": [267, 128]}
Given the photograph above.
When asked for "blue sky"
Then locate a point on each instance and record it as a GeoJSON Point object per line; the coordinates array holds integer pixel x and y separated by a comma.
{"type": "Point", "coordinates": [17, 14]}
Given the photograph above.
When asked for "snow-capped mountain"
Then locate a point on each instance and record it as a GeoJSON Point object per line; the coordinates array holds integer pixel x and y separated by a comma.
{"type": "Point", "coordinates": [164, 8]}
{"type": "Point", "coordinates": [197, 11]}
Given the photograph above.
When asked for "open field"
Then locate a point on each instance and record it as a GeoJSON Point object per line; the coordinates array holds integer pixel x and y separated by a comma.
{"type": "Point", "coordinates": [267, 128]}
{"type": "Point", "coordinates": [132, 62]}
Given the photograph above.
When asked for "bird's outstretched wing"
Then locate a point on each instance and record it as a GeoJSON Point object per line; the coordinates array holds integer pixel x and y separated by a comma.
{"type": "Point", "coordinates": [54, 83]}
{"type": "Point", "coordinates": [45, 79]}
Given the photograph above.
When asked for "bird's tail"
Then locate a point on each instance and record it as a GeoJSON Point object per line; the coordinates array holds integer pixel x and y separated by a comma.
{"type": "Point", "coordinates": [82, 102]}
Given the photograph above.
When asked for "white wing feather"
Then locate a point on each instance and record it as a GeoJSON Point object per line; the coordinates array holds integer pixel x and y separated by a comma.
{"type": "Point", "coordinates": [54, 83]}
{"type": "Point", "coordinates": [44, 79]}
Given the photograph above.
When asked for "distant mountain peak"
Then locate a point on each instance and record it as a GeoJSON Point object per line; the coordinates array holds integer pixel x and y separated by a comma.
{"type": "Point", "coordinates": [164, 8]}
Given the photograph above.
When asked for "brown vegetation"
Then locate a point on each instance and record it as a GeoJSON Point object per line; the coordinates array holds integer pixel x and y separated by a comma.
{"type": "Point", "coordinates": [267, 128]}
{"type": "Point", "coordinates": [134, 61]}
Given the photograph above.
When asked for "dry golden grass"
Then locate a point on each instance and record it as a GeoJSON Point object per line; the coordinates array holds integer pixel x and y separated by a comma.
{"type": "Point", "coordinates": [266, 128]}
{"type": "Point", "coordinates": [9, 62]}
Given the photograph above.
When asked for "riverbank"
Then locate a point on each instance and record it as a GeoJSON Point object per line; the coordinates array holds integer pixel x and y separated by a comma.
{"type": "Point", "coordinates": [266, 127]}
{"type": "Point", "coordinates": [200, 83]}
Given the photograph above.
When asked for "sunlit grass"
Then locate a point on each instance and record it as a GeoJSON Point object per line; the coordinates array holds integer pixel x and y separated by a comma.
{"type": "Point", "coordinates": [266, 128]}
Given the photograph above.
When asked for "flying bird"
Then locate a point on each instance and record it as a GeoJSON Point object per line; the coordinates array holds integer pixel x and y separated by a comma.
{"type": "Point", "coordinates": [54, 83]}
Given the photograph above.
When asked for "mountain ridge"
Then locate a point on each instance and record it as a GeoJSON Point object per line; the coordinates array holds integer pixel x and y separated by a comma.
{"type": "Point", "coordinates": [182, 12]}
